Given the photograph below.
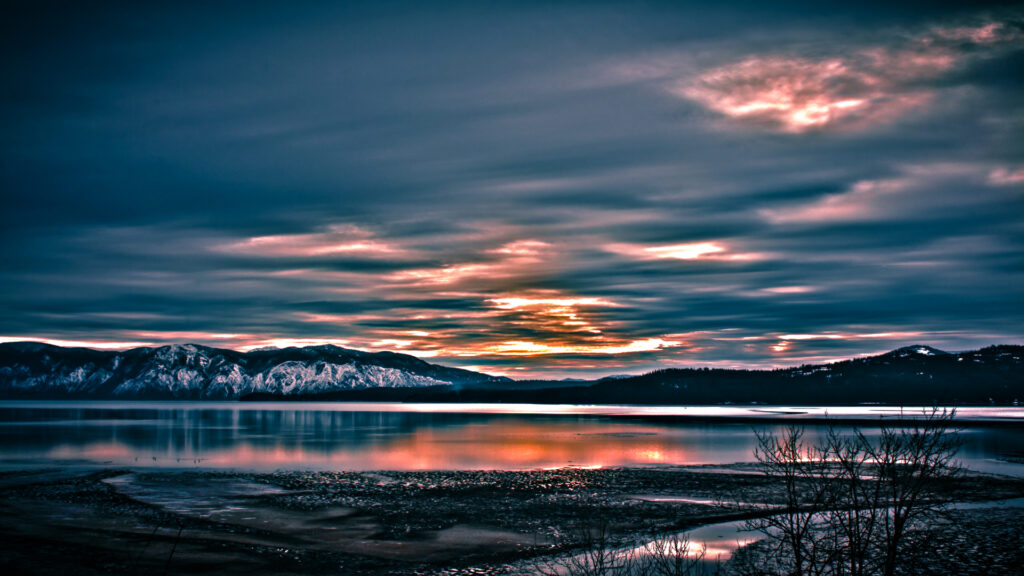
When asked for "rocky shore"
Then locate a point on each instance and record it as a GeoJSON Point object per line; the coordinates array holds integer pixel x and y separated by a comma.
{"type": "Point", "coordinates": [403, 523]}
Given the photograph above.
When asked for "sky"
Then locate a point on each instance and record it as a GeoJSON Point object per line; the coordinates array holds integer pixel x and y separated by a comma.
{"type": "Point", "coordinates": [539, 190]}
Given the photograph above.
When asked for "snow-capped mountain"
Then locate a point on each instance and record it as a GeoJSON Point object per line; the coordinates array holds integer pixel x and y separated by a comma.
{"type": "Point", "coordinates": [189, 371]}
{"type": "Point", "coordinates": [916, 374]}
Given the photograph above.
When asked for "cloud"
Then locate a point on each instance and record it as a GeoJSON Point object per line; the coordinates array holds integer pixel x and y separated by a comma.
{"type": "Point", "coordinates": [293, 342]}
{"type": "Point", "coordinates": [855, 89]}
{"type": "Point", "coordinates": [1006, 176]}
{"type": "Point", "coordinates": [711, 250]}
{"type": "Point", "coordinates": [914, 191]}
{"type": "Point", "coordinates": [521, 348]}
{"type": "Point", "coordinates": [523, 248]}
{"type": "Point", "coordinates": [551, 316]}
{"type": "Point", "coordinates": [862, 201]}
{"type": "Point", "coordinates": [550, 202]}
{"type": "Point", "coordinates": [684, 251]}
{"type": "Point", "coordinates": [789, 289]}
{"type": "Point", "coordinates": [793, 94]}
{"type": "Point", "coordinates": [516, 302]}
{"type": "Point", "coordinates": [95, 344]}
{"type": "Point", "coordinates": [784, 343]}
{"type": "Point", "coordinates": [334, 240]}
{"type": "Point", "coordinates": [453, 274]}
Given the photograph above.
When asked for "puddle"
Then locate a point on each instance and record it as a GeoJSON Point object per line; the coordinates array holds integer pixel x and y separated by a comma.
{"type": "Point", "coordinates": [721, 541]}
{"type": "Point", "coordinates": [1009, 503]}
{"type": "Point", "coordinates": [228, 501]}
{"type": "Point", "coordinates": [244, 503]}
{"type": "Point", "coordinates": [688, 500]}
{"type": "Point", "coordinates": [201, 497]}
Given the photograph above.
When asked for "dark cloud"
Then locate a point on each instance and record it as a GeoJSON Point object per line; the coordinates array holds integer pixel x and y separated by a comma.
{"type": "Point", "coordinates": [533, 189]}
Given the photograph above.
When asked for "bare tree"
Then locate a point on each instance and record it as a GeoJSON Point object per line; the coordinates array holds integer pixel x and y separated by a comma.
{"type": "Point", "coordinates": [853, 517]}
{"type": "Point", "coordinates": [851, 505]}
{"type": "Point", "coordinates": [793, 525]}
{"type": "Point", "coordinates": [910, 464]}
{"type": "Point", "coordinates": [664, 555]}
{"type": "Point", "coordinates": [669, 555]}
{"type": "Point", "coordinates": [598, 556]}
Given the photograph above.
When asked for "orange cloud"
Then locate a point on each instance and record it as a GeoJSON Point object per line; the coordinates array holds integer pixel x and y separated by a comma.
{"type": "Point", "coordinates": [512, 303]}
{"type": "Point", "coordinates": [524, 348]}
{"type": "Point", "coordinates": [551, 314]}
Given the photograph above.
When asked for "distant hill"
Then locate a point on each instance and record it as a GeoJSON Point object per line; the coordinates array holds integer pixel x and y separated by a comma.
{"type": "Point", "coordinates": [911, 375]}
{"type": "Point", "coordinates": [189, 371]}
{"type": "Point", "coordinates": [918, 375]}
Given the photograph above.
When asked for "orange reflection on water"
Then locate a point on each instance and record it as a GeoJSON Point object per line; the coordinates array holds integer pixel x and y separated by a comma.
{"type": "Point", "coordinates": [511, 444]}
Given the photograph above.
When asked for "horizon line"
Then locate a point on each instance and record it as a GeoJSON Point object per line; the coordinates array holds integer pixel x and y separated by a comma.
{"type": "Point", "coordinates": [116, 347]}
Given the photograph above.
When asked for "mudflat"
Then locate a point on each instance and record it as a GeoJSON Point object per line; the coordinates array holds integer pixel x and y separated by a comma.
{"type": "Point", "coordinates": [175, 522]}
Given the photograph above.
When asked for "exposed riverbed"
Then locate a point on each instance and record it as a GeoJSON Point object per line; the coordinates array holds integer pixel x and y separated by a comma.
{"type": "Point", "coordinates": [402, 523]}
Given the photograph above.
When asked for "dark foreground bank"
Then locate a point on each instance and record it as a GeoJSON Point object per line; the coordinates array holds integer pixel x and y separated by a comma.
{"type": "Point", "coordinates": [403, 523]}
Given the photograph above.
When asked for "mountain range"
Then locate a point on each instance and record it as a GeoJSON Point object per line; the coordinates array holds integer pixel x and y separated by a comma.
{"type": "Point", "coordinates": [912, 375]}
{"type": "Point", "coordinates": [190, 371]}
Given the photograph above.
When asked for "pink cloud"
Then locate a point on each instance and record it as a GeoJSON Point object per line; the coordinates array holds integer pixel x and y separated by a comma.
{"type": "Point", "coordinates": [334, 240]}
{"type": "Point", "coordinates": [1006, 176]}
{"type": "Point", "coordinates": [858, 203]}
{"type": "Point", "coordinates": [985, 33]}
{"type": "Point", "coordinates": [789, 290]}
{"type": "Point", "coordinates": [875, 199]}
{"type": "Point", "coordinates": [793, 94]}
{"type": "Point", "coordinates": [859, 88]}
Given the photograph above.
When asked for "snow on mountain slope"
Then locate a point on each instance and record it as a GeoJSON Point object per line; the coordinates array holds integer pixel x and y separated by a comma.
{"type": "Point", "coordinates": [194, 372]}
{"type": "Point", "coordinates": [299, 378]}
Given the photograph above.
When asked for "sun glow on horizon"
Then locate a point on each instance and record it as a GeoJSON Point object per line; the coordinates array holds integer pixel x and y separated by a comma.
{"type": "Point", "coordinates": [527, 348]}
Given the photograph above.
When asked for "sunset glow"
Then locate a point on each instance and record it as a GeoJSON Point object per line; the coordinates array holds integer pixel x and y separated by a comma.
{"type": "Point", "coordinates": [685, 251]}
{"type": "Point", "coordinates": [651, 186]}
{"type": "Point", "coordinates": [504, 287]}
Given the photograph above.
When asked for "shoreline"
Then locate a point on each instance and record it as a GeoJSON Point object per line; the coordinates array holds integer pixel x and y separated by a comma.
{"type": "Point", "coordinates": [382, 522]}
{"type": "Point", "coordinates": [842, 414]}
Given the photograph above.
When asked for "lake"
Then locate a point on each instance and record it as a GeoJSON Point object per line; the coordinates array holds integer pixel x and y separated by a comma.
{"type": "Point", "coordinates": [388, 436]}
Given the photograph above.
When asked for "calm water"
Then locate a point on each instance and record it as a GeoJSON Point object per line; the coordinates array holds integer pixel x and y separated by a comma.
{"type": "Point", "coordinates": [378, 436]}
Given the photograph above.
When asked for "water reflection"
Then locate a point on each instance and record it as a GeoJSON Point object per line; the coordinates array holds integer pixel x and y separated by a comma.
{"type": "Point", "coordinates": [377, 437]}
